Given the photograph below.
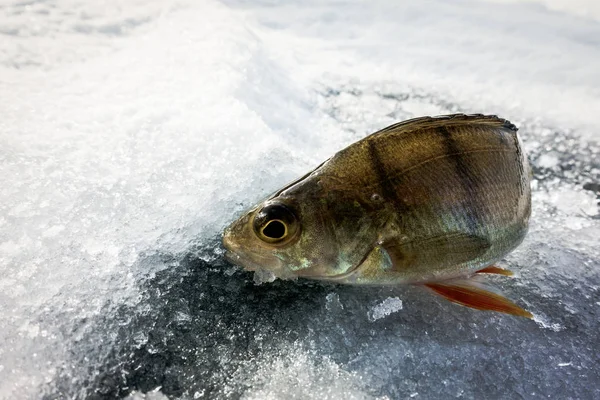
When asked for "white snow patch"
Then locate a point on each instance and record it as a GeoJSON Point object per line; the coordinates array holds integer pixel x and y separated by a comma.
{"type": "Point", "coordinates": [296, 374]}
{"type": "Point", "coordinates": [581, 8]}
{"type": "Point", "coordinates": [545, 323]}
{"type": "Point", "coordinates": [548, 160]}
{"type": "Point", "coordinates": [385, 308]}
{"type": "Point", "coordinates": [567, 364]}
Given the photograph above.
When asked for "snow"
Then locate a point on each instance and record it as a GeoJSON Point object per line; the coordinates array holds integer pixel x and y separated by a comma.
{"type": "Point", "coordinates": [132, 133]}
{"type": "Point", "coordinates": [385, 308]}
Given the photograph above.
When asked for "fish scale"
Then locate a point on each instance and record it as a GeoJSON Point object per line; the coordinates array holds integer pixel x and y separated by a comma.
{"type": "Point", "coordinates": [428, 201]}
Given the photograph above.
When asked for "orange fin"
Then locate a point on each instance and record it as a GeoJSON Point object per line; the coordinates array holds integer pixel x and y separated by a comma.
{"type": "Point", "coordinates": [471, 294]}
{"type": "Point", "coordinates": [492, 269]}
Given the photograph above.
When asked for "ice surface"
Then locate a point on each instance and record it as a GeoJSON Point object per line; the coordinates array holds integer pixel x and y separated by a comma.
{"type": "Point", "coordinates": [132, 132]}
{"type": "Point", "coordinates": [385, 308]}
{"type": "Point", "coordinates": [153, 395]}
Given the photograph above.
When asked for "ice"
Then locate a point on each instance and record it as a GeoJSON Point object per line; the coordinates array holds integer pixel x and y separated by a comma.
{"type": "Point", "coordinates": [300, 370]}
{"type": "Point", "coordinates": [263, 276]}
{"type": "Point", "coordinates": [153, 395]}
{"type": "Point", "coordinates": [132, 133]}
{"type": "Point", "coordinates": [385, 308]}
{"type": "Point", "coordinates": [549, 160]}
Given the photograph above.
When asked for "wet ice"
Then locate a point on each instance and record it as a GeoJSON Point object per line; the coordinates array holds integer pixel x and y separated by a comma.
{"type": "Point", "coordinates": [133, 133]}
{"type": "Point", "coordinates": [385, 308]}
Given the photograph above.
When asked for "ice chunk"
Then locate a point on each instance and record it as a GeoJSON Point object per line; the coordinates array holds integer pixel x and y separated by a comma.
{"type": "Point", "coordinates": [332, 302]}
{"type": "Point", "coordinates": [385, 308]}
{"type": "Point", "coordinates": [263, 276]}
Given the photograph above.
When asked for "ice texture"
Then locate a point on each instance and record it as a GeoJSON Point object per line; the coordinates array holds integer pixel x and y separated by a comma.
{"type": "Point", "coordinates": [132, 133]}
{"type": "Point", "coordinates": [385, 308]}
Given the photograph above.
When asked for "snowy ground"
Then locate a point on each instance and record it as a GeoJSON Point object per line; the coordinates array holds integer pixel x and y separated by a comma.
{"type": "Point", "coordinates": [132, 132]}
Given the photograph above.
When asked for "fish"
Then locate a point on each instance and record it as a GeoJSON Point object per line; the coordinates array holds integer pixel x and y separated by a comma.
{"type": "Point", "coordinates": [431, 201]}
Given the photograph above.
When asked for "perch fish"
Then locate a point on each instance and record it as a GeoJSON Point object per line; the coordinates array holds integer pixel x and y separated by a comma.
{"type": "Point", "coordinates": [432, 201]}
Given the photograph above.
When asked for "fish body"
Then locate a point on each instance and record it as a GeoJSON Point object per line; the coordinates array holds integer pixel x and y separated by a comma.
{"type": "Point", "coordinates": [427, 201]}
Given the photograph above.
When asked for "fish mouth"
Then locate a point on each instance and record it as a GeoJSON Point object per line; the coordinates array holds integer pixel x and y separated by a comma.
{"type": "Point", "coordinates": [227, 240]}
{"type": "Point", "coordinates": [234, 255]}
{"type": "Point", "coordinates": [243, 262]}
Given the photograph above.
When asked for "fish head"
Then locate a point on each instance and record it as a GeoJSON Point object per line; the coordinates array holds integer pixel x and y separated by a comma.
{"type": "Point", "coordinates": [284, 235]}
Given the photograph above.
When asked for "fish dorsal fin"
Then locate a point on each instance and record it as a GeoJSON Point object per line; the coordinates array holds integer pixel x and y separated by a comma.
{"type": "Point", "coordinates": [423, 123]}
{"type": "Point", "coordinates": [411, 125]}
{"type": "Point", "coordinates": [450, 249]}
{"type": "Point", "coordinates": [474, 294]}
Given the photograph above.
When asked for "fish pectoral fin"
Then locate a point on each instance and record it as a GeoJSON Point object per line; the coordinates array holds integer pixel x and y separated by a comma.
{"type": "Point", "coordinates": [452, 248]}
{"type": "Point", "coordinates": [492, 269]}
{"type": "Point", "coordinates": [476, 295]}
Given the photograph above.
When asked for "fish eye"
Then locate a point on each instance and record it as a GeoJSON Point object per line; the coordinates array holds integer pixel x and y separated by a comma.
{"type": "Point", "coordinates": [275, 223]}
{"type": "Point", "coordinates": [275, 229]}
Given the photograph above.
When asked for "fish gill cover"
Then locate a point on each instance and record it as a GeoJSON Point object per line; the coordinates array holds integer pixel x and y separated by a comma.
{"type": "Point", "coordinates": [132, 132]}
